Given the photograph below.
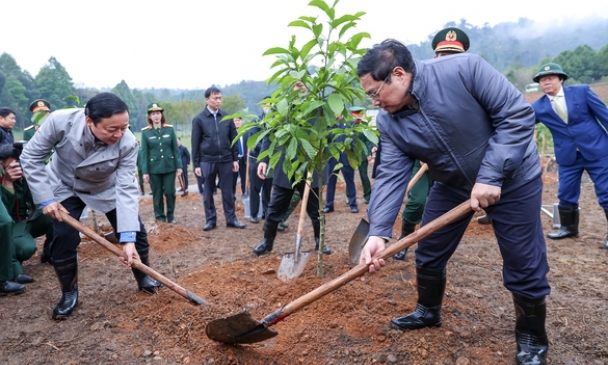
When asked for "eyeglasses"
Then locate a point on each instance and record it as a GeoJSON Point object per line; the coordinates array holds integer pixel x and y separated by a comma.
{"type": "Point", "coordinates": [376, 95]}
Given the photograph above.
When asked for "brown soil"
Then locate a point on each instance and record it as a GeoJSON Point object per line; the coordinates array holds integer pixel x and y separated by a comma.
{"type": "Point", "coordinates": [114, 323]}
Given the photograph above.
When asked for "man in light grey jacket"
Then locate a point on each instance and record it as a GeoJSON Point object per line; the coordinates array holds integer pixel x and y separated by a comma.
{"type": "Point", "coordinates": [93, 165]}
{"type": "Point", "coordinates": [474, 130]}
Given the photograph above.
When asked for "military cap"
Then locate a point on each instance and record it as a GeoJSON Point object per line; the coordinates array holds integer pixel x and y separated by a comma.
{"type": "Point", "coordinates": [550, 69]}
{"type": "Point", "coordinates": [40, 104]}
{"type": "Point", "coordinates": [451, 39]}
{"type": "Point", "coordinates": [155, 107]}
{"type": "Point", "coordinates": [356, 111]}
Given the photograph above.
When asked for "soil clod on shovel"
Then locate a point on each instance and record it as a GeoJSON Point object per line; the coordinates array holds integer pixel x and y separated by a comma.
{"type": "Point", "coordinates": [243, 328]}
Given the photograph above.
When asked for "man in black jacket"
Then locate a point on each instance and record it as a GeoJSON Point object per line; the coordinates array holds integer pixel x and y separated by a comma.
{"type": "Point", "coordinates": [214, 156]}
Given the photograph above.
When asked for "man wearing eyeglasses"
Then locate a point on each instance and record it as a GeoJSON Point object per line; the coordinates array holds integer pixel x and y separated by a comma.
{"type": "Point", "coordinates": [474, 130]}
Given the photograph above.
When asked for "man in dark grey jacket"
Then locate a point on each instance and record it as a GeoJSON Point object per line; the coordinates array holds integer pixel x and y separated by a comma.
{"type": "Point", "coordinates": [214, 156]}
{"type": "Point", "coordinates": [474, 130]}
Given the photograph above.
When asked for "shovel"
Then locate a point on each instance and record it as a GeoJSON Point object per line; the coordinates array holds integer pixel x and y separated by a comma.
{"type": "Point", "coordinates": [243, 328]}
{"type": "Point", "coordinates": [182, 185]}
{"type": "Point", "coordinates": [193, 298]}
{"type": "Point", "coordinates": [359, 238]}
{"type": "Point", "coordinates": [245, 195]}
{"type": "Point", "coordinates": [293, 264]}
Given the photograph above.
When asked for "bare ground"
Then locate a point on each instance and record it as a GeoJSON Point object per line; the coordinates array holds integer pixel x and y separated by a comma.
{"type": "Point", "coordinates": [114, 323]}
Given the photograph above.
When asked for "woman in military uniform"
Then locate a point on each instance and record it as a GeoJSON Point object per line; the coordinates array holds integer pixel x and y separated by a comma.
{"type": "Point", "coordinates": [161, 161]}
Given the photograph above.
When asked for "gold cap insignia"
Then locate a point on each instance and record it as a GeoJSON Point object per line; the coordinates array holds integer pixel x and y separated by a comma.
{"type": "Point", "coordinates": [155, 105]}
{"type": "Point", "coordinates": [547, 68]}
{"type": "Point", "coordinates": [450, 36]}
{"type": "Point", "coordinates": [41, 103]}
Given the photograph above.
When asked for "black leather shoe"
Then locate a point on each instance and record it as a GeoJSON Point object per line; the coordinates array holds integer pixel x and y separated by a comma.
{"type": "Point", "coordinates": [209, 226]}
{"type": "Point", "coordinates": [254, 220]}
{"type": "Point", "coordinates": [44, 259]}
{"type": "Point", "coordinates": [235, 224]}
{"type": "Point", "coordinates": [400, 255]}
{"type": "Point", "coordinates": [264, 247]}
{"type": "Point", "coordinates": [366, 201]}
{"type": "Point", "coordinates": [23, 279]}
{"type": "Point", "coordinates": [354, 210]}
{"type": "Point", "coordinates": [11, 288]}
{"type": "Point", "coordinates": [328, 210]}
{"type": "Point", "coordinates": [282, 227]}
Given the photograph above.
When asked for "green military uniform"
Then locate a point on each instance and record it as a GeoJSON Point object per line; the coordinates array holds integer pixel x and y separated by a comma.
{"type": "Point", "coordinates": [7, 250]}
{"type": "Point", "coordinates": [27, 223]}
{"type": "Point", "coordinates": [160, 160]}
{"type": "Point", "coordinates": [39, 109]}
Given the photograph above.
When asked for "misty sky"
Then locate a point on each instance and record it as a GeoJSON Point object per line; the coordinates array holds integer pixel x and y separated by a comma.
{"type": "Point", "coordinates": [193, 44]}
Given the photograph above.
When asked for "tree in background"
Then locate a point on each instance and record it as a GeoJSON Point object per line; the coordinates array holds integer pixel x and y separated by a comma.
{"type": "Point", "coordinates": [122, 91]}
{"type": "Point", "coordinates": [17, 88]}
{"type": "Point", "coordinates": [54, 83]}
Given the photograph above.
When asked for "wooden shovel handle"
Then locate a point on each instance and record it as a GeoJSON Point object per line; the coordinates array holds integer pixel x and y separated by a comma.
{"type": "Point", "coordinates": [361, 269]}
{"type": "Point", "coordinates": [304, 204]}
{"type": "Point", "coordinates": [136, 263]}
{"type": "Point", "coordinates": [423, 168]}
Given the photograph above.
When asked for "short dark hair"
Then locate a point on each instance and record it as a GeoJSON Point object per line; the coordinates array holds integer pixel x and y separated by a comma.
{"type": "Point", "coordinates": [380, 60]}
{"type": "Point", "coordinates": [211, 91]}
{"type": "Point", "coordinates": [5, 112]}
{"type": "Point", "coordinates": [103, 106]}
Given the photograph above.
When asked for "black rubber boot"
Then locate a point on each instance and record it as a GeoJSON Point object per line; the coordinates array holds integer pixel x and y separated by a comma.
{"type": "Point", "coordinates": [569, 218]}
{"type": "Point", "coordinates": [606, 243]}
{"type": "Point", "coordinates": [144, 282]}
{"type": "Point", "coordinates": [67, 273]}
{"type": "Point", "coordinates": [406, 229]}
{"type": "Point", "coordinates": [431, 286]}
{"type": "Point", "coordinates": [530, 335]}
{"type": "Point", "coordinates": [326, 250]}
{"type": "Point", "coordinates": [264, 247]}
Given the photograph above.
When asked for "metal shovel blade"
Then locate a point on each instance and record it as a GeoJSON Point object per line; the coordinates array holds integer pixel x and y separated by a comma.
{"type": "Point", "coordinates": [293, 263]}
{"type": "Point", "coordinates": [246, 205]}
{"type": "Point", "coordinates": [358, 239]}
{"type": "Point", "coordinates": [239, 328]}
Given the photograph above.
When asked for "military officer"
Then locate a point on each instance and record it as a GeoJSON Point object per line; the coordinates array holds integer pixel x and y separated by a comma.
{"type": "Point", "coordinates": [161, 161]}
{"type": "Point", "coordinates": [40, 109]}
{"type": "Point", "coordinates": [28, 222]}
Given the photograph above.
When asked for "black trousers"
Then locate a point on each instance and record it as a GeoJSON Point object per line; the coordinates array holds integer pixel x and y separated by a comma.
{"type": "Point", "coordinates": [66, 239]}
{"type": "Point", "coordinates": [279, 203]}
{"type": "Point", "coordinates": [210, 171]}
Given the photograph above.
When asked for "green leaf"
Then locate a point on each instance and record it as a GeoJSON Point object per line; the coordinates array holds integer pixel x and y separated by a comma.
{"type": "Point", "coordinates": [275, 50]}
{"type": "Point", "coordinates": [308, 148]}
{"type": "Point", "coordinates": [369, 134]}
{"type": "Point", "coordinates": [282, 107]}
{"type": "Point", "coordinates": [317, 29]}
{"type": "Point", "coordinates": [345, 28]}
{"type": "Point", "coordinates": [299, 23]}
{"type": "Point", "coordinates": [291, 149]}
{"type": "Point", "coordinates": [306, 49]}
{"type": "Point", "coordinates": [336, 103]}
{"type": "Point", "coordinates": [313, 106]}
{"type": "Point", "coordinates": [323, 6]}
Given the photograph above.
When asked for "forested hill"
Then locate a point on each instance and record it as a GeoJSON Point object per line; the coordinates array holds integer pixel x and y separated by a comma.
{"type": "Point", "coordinates": [524, 43]}
{"type": "Point", "coordinates": [515, 48]}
